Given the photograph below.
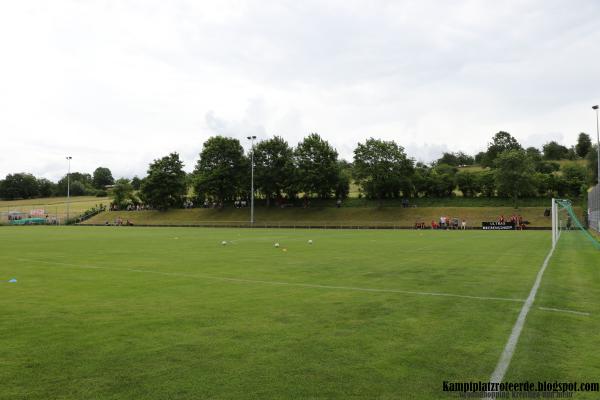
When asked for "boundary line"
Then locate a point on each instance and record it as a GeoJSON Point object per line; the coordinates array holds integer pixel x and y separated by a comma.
{"type": "Point", "coordinates": [511, 344]}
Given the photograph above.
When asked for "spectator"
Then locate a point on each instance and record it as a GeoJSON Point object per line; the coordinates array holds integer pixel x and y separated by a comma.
{"type": "Point", "coordinates": [520, 221]}
{"type": "Point", "coordinates": [463, 224]}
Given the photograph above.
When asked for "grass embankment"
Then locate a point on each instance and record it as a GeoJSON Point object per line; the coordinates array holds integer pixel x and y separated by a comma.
{"type": "Point", "coordinates": [324, 216]}
{"type": "Point", "coordinates": [455, 201]}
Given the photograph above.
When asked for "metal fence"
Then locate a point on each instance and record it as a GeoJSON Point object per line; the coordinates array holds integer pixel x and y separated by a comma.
{"type": "Point", "coordinates": [594, 208]}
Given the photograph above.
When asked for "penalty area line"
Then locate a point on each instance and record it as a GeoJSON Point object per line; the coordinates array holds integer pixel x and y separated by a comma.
{"type": "Point", "coordinates": [587, 314]}
{"type": "Point", "coordinates": [511, 344]}
{"type": "Point", "coordinates": [276, 283]}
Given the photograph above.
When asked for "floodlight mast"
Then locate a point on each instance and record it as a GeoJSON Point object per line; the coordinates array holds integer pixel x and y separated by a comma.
{"type": "Point", "coordinates": [252, 138]}
{"type": "Point", "coordinates": [68, 186]}
{"type": "Point", "coordinates": [597, 140]}
{"type": "Point", "coordinates": [598, 156]}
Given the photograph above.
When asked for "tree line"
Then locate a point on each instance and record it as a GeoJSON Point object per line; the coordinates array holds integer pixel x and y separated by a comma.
{"type": "Point", "coordinates": [381, 169]}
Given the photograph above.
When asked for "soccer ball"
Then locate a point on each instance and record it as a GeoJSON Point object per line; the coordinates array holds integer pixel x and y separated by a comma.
{"type": "Point", "coordinates": [276, 244]}
{"type": "Point", "coordinates": [309, 241]}
{"type": "Point", "coordinates": [223, 242]}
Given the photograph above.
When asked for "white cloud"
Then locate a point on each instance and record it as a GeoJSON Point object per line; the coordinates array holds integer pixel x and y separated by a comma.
{"type": "Point", "coordinates": [120, 83]}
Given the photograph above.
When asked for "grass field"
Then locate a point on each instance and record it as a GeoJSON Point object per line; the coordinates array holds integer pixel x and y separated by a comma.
{"type": "Point", "coordinates": [330, 216]}
{"type": "Point", "coordinates": [157, 313]}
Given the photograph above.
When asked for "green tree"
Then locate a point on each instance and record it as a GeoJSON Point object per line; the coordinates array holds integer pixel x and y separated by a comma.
{"type": "Point", "coordinates": [456, 159]}
{"type": "Point", "coordinates": [19, 186]}
{"type": "Point", "coordinates": [449, 159]}
{"type": "Point", "coordinates": [544, 183]}
{"type": "Point", "coordinates": [501, 142]}
{"type": "Point", "coordinates": [441, 180]}
{"type": "Point", "coordinates": [123, 193]}
{"type": "Point", "coordinates": [468, 183]}
{"type": "Point", "coordinates": [554, 151]}
{"type": "Point", "coordinates": [584, 145]}
{"type": "Point", "coordinates": [222, 172]}
{"type": "Point", "coordinates": [534, 154]}
{"type": "Point", "coordinates": [342, 187]}
{"type": "Point", "coordinates": [77, 189]}
{"type": "Point", "coordinates": [381, 167]}
{"type": "Point", "coordinates": [164, 187]}
{"type": "Point", "coordinates": [84, 179]}
{"type": "Point", "coordinates": [514, 174]}
{"type": "Point", "coordinates": [575, 177]}
{"type": "Point", "coordinates": [136, 183]}
{"type": "Point", "coordinates": [317, 166]}
{"type": "Point", "coordinates": [480, 157]}
{"type": "Point", "coordinates": [274, 171]}
{"type": "Point", "coordinates": [465, 159]}
{"type": "Point", "coordinates": [47, 188]}
{"type": "Point", "coordinates": [102, 177]}
{"type": "Point", "coordinates": [420, 179]}
{"type": "Point", "coordinates": [487, 180]}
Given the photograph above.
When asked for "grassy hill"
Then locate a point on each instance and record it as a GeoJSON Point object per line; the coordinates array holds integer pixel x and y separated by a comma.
{"type": "Point", "coordinates": [54, 206]}
{"type": "Point", "coordinates": [324, 216]}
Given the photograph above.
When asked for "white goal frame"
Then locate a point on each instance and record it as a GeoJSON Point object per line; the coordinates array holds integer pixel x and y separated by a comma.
{"type": "Point", "coordinates": [555, 227]}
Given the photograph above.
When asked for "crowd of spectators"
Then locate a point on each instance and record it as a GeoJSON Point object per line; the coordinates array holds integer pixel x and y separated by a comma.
{"type": "Point", "coordinates": [446, 222]}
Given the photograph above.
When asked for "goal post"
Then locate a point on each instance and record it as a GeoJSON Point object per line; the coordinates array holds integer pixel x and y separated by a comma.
{"type": "Point", "coordinates": [554, 224]}
{"type": "Point", "coordinates": [564, 219]}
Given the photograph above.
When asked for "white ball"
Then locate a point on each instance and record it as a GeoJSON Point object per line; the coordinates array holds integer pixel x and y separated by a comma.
{"type": "Point", "coordinates": [276, 244]}
{"type": "Point", "coordinates": [223, 242]}
{"type": "Point", "coordinates": [309, 241]}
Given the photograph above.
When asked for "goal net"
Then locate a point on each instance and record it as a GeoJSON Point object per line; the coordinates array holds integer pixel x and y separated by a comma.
{"type": "Point", "coordinates": [565, 221]}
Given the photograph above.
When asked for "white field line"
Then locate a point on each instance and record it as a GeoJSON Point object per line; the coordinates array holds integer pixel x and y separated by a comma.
{"type": "Point", "coordinates": [565, 311]}
{"type": "Point", "coordinates": [306, 285]}
{"type": "Point", "coordinates": [509, 349]}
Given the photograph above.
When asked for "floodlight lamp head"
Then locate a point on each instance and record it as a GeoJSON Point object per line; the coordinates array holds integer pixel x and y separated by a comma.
{"type": "Point", "coordinates": [69, 157]}
{"type": "Point", "coordinates": [595, 107]}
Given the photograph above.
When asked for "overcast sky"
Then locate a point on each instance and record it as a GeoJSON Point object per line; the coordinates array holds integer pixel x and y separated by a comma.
{"type": "Point", "coordinates": [120, 83]}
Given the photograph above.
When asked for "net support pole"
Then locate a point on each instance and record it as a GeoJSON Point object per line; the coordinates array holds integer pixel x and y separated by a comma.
{"type": "Point", "coordinates": [554, 223]}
